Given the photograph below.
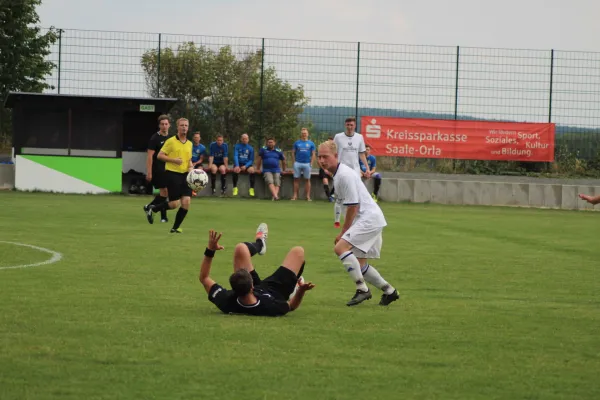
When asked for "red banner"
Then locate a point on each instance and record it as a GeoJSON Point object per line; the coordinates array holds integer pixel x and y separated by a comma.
{"type": "Point", "coordinates": [465, 140]}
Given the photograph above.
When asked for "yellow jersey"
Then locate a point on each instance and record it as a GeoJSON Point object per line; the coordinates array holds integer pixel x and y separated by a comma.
{"type": "Point", "coordinates": [174, 148]}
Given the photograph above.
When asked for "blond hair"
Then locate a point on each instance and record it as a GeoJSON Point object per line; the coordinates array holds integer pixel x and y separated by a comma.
{"type": "Point", "coordinates": [330, 144]}
{"type": "Point", "coordinates": [182, 119]}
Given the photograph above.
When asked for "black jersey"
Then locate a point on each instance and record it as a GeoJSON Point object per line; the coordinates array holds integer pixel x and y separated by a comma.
{"type": "Point", "coordinates": [268, 303]}
{"type": "Point", "coordinates": [156, 143]}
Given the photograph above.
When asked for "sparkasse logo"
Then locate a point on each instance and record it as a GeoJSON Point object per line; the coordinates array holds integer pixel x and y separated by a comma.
{"type": "Point", "coordinates": [373, 130]}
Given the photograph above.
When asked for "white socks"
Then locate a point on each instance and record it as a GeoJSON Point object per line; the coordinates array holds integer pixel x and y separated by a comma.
{"type": "Point", "coordinates": [372, 276]}
{"type": "Point", "coordinates": [352, 266]}
{"type": "Point", "coordinates": [337, 210]}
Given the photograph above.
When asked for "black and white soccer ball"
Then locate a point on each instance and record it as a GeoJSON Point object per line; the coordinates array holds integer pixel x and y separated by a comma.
{"type": "Point", "coordinates": [197, 179]}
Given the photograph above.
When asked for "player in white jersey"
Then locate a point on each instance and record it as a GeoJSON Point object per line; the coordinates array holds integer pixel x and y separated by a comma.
{"type": "Point", "coordinates": [351, 148]}
{"type": "Point", "coordinates": [361, 237]}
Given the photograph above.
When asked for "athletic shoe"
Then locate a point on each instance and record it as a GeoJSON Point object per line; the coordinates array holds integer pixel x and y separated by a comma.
{"type": "Point", "coordinates": [251, 191]}
{"type": "Point", "coordinates": [164, 220]}
{"type": "Point", "coordinates": [374, 196]}
{"type": "Point", "coordinates": [261, 234]}
{"type": "Point", "coordinates": [388, 298]}
{"type": "Point", "coordinates": [235, 191]}
{"type": "Point", "coordinates": [178, 230]}
{"type": "Point", "coordinates": [223, 192]}
{"type": "Point", "coordinates": [149, 215]}
{"type": "Point", "coordinates": [331, 199]}
{"type": "Point", "coordinates": [213, 192]}
{"type": "Point", "coordinates": [337, 225]}
{"type": "Point", "coordinates": [359, 297]}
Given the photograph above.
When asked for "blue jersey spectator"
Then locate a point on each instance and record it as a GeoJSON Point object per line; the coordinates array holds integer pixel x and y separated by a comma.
{"type": "Point", "coordinates": [219, 151]}
{"type": "Point", "coordinates": [243, 155]}
{"type": "Point", "coordinates": [198, 150]}
{"type": "Point", "coordinates": [371, 161]}
{"type": "Point", "coordinates": [217, 161]}
{"type": "Point", "coordinates": [243, 158]}
{"type": "Point", "coordinates": [304, 150]}
{"type": "Point", "coordinates": [270, 159]}
{"type": "Point", "coordinates": [372, 167]}
{"type": "Point", "coordinates": [270, 156]}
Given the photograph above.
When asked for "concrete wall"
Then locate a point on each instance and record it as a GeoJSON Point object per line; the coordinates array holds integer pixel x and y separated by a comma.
{"type": "Point", "coordinates": [426, 188]}
{"type": "Point", "coordinates": [489, 193]}
{"type": "Point", "coordinates": [7, 176]}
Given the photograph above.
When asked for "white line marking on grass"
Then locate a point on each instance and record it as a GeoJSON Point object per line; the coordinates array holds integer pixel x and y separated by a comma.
{"type": "Point", "coordinates": [56, 256]}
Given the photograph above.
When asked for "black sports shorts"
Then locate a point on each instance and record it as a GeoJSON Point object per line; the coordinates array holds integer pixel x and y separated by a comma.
{"type": "Point", "coordinates": [280, 284]}
{"type": "Point", "coordinates": [159, 179]}
{"type": "Point", "coordinates": [177, 185]}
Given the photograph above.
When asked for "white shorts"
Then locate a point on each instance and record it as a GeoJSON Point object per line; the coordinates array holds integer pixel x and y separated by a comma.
{"type": "Point", "coordinates": [366, 242]}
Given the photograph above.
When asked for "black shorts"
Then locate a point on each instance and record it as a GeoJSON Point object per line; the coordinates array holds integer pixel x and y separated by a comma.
{"type": "Point", "coordinates": [159, 179]}
{"type": "Point", "coordinates": [177, 185]}
{"type": "Point", "coordinates": [280, 284]}
{"type": "Point", "coordinates": [218, 164]}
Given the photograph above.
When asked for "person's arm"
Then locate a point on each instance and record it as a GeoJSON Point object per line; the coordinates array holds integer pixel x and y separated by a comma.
{"type": "Point", "coordinates": [363, 158]}
{"type": "Point", "coordinates": [149, 164]}
{"type": "Point", "coordinates": [348, 194]}
{"type": "Point", "coordinates": [374, 168]}
{"type": "Point", "coordinates": [283, 164]}
{"type": "Point", "coordinates": [250, 157]}
{"type": "Point", "coordinates": [590, 199]}
{"type": "Point", "coordinates": [296, 300]}
{"type": "Point", "coordinates": [211, 156]}
{"type": "Point", "coordinates": [259, 161]}
{"type": "Point", "coordinates": [211, 248]}
{"type": "Point", "coordinates": [236, 156]}
{"type": "Point", "coordinates": [294, 154]}
{"type": "Point", "coordinates": [226, 155]}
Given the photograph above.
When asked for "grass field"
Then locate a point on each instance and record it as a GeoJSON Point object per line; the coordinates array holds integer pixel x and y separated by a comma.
{"type": "Point", "coordinates": [497, 303]}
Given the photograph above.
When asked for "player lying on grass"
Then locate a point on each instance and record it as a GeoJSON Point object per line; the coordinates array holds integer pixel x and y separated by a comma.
{"type": "Point", "coordinates": [251, 295]}
{"type": "Point", "coordinates": [590, 199]}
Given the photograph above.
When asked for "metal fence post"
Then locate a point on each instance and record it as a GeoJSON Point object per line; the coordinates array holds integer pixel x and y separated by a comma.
{"type": "Point", "coordinates": [357, 84]}
{"type": "Point", "coordinates": [551, 85]}
{"type": "Point", "coordinates": [262, 82]}
{"type": "Point", "coordinates": [158, 65]}
{"type": "Point", "coordinates": [60, 31]}
{"type": "Point", "coordinates": [456, 83]}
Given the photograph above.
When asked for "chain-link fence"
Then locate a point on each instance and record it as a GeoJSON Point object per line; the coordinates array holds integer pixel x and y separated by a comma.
{"type": "Point", "coordinates": [341, 79]}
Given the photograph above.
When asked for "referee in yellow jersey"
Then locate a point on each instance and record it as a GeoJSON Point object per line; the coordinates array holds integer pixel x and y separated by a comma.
{"type": "Point", "coordinates": [177, 155]}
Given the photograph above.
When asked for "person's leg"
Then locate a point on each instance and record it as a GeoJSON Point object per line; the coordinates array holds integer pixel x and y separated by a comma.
{"type": "Point", "coordinates": [376, 184]}
{"type": "Point", "coordinates": [294, 260]}
{"type": "Point", "coordinates": [243, 252]}
{"type": "Point", "coordinates": [223, 172]}
{"type": "Point", "coordinates": [337, 214]}
{"type": "Point", "coordinates": [186, 193]}
{"type": "Point", "coordinates": [307, 186]}
{"type": "Point", "coordinates": [213, 177]}
{"type": "Point", "coordinates": [297, 173]}
{"type": "Point", "coordinates": [277, 180]}
{"type": "Point", "coordinates": [251, 180]}
{"type": "Point", "coordinates": [371, 274]}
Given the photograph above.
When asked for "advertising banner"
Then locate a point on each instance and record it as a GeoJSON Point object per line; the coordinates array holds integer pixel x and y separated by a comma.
{"type": "Point", "coordinates": [465, 140]}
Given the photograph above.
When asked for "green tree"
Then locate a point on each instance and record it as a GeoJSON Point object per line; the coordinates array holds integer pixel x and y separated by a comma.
{"type": "Point", "coordinates": [220, 92]}
{"type": "Point", "coordinates": [23, 51]}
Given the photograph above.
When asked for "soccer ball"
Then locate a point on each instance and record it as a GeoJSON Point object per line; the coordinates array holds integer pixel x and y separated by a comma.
{"type": "Point", "coordinates": [197, 179]}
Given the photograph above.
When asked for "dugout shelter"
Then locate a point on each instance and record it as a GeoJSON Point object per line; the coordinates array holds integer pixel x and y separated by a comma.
{"type": "Point", "coordinates": [80, 144]}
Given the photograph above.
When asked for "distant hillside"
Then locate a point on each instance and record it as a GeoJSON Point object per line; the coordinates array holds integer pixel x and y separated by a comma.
{"type": "Point", "coordinates": [331, 119]}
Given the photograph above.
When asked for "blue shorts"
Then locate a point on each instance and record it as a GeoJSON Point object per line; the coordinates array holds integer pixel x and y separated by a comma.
{"type": "Point", "coordinates": [301, 169]}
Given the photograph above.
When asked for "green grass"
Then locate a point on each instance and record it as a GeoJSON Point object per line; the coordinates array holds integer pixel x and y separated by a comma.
{"type": "Point", "coordinates": [497, 303]}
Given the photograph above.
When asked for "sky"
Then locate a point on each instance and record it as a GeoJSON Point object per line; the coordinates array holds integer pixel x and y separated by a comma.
{"type": "Point", "coordinates": [505, 49]}
{"type": "Point", "coordinates": [523, 24]}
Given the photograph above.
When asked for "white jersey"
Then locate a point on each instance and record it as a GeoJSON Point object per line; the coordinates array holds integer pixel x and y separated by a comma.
{"type": "Point", "coordinates": [349, 149]}
{"type": "Point", "coordinates": [350, 190]}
